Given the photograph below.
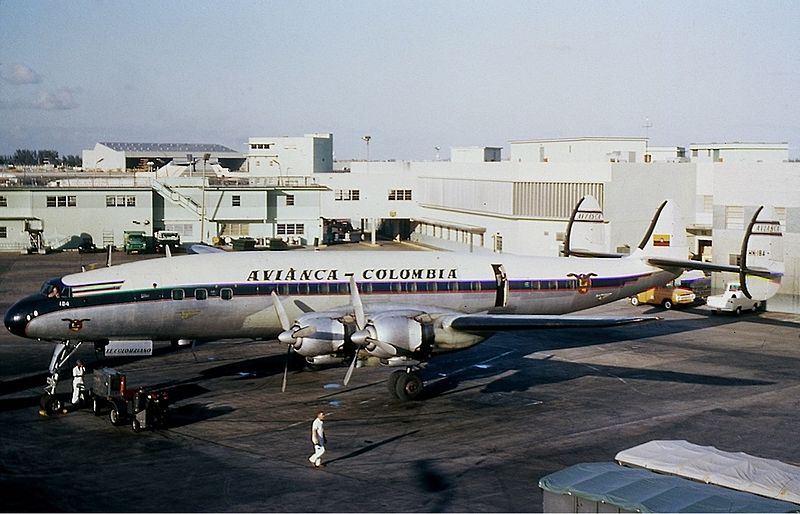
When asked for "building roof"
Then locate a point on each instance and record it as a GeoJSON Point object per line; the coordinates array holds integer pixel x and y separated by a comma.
{"type": "Point", "coordinates": [168, 147]}
{"type": "Point", "coordinates": [740, 471]}
{"type": "Point", "coordinates": [573, 139]}
{"type": "Point", "coordinates": [644, 491]}
{"type": "Point", "coordinates": [741, 145]}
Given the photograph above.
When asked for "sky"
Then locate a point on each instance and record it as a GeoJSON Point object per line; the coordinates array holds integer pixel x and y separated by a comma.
{"type": "Point", "coordinates": [413, 75]}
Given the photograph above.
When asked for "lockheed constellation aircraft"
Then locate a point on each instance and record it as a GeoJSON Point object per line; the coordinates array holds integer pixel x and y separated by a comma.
{"type": "Point", "coordinates": [401, 307]}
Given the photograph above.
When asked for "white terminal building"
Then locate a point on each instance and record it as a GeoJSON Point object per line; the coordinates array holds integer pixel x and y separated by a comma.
{"type": "Point", "coordinates": [291, 188]}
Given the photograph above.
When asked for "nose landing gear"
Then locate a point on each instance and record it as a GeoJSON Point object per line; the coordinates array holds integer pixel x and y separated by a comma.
{"type": "Point", "coordinates": [49, 402]}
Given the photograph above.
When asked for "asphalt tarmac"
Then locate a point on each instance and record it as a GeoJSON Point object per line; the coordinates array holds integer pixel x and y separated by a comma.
{"type": "Point", "coordinates": [493, 419]}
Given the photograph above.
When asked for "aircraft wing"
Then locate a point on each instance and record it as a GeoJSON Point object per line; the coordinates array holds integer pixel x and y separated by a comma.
{"type": "Point", "coordinates": [663, 262]}
{"type": "Point", "coordinates": [483, 323]}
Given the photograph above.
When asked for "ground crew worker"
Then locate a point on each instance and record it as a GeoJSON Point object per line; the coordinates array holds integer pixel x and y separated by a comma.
{"type": "Point", "coordinates": [318, 438]}
{"type": "Point", "coordinates": [77, 381]}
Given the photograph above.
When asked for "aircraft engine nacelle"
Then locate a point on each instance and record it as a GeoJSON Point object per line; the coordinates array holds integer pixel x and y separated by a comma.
{"type": "Point", "coordinates": [327, 337]}
{"type": "Point", "coordinates": [401, 334]}
{"type": "Point", "coordinates": [449, 339]}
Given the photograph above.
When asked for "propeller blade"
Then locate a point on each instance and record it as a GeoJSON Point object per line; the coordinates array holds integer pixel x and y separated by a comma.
{"type": "Point", "coordinates": [167, 251]}
{"type": "Point", "coordinates": [286, 368]}
{"type": "Point", "coordinates": [108, 257]}
{"type": "Point", "coordinates": [358, 307]}
{"type": "Point", "coordinates": [351, 368]}
{"type": "Point", "coordinates": [386, 347]}
{"type": "Point", "coordinates": [281, 311]}
{"type": "Point", "coordinates": [365, 337]}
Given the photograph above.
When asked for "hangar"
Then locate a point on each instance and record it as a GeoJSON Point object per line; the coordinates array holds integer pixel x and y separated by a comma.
{"type": "Point", "coordinates": [151, 156]}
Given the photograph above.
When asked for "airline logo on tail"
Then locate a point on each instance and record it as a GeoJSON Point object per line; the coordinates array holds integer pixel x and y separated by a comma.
{"type": "Point", "coordinates": [661, 239]}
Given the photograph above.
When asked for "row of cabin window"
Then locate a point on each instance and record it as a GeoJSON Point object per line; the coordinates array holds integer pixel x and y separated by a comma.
{"type": "Point", "coordinates": [226, 293]}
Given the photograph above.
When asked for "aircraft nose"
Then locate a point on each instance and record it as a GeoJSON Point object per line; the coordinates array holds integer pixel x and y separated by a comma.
{"type": "Point", "coordinates": [17, 318]}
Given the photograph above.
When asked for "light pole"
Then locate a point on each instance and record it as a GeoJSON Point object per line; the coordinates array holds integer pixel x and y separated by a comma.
{"type": "Point", "coordinates": [647, 126]}
{"type": "Point", "coordinates": [96, 168]}
{"type": "Point", "coordinates": [366, 140]}
{"type": "Point", "coordinates": [280, 170]}
{"type": "Point", "coordinates": [203, 203]}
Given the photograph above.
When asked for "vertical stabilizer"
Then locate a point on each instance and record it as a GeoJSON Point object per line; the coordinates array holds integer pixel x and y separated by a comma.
{"type": "Point", "coordinates": [762, 255]}
{"type": "Point", "coordinates": [586, 230]}
{"type": "Point", "coordinates": [666, 236]}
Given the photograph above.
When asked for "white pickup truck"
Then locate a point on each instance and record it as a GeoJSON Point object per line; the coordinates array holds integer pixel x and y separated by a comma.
{"type": "Point", "coordinates": [732, 300]}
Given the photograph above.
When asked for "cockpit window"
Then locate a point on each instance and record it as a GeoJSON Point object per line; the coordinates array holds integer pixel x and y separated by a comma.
{"type": "Point", "coordinates": [53, 289]}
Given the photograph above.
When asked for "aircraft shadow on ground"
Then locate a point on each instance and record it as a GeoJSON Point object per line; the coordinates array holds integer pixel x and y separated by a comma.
{"type": "Point", "coordinates": [505, 353]}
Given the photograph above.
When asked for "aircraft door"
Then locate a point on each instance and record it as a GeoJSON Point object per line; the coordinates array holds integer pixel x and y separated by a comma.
{"type": "Point", "coordinates": [501, 279]}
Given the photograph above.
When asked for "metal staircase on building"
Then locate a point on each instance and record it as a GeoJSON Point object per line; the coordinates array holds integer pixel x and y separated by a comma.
{"type": "Point", "coordinates": [176, 197]}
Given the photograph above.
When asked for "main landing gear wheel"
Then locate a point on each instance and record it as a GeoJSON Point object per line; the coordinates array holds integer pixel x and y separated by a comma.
{"type": "Point", "coordinates": [408, 386]}
{"type": "Point", "coordinates": [50, 403]}
{"type": "Point", "coordinates": [392, 382]}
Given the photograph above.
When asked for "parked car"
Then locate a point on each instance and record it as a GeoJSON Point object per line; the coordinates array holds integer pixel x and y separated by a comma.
{"type": "Point", "coordinates": [668, 296]}
{"type": "Point", "coordinates": [733, 300]}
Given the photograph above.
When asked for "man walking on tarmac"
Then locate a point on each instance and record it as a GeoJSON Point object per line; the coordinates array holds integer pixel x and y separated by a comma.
{"type": "Point", "coordinates": [77, 381]}
{"type": "Point", "coordinates": [318, 438]}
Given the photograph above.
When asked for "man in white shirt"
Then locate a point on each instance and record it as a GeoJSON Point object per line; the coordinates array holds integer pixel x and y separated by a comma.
{"type": "Point", "coordinates": [77, 381]}
{"type": "Point", "coordinates": [318, 438]}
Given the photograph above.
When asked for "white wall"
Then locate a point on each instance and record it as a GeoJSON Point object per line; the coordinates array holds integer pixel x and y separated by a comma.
{"type": "Point", "coordinates": [749, 185]}
{"type": "Point", "coordinates": [583, 150]}
{"type": "Point", "coordinates": [740, 152]}
{"type": "Point", "coordinates": [290, 156]}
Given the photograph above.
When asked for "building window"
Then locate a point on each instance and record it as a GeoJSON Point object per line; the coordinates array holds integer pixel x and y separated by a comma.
{"type": "Point", "coordinates": [3, 232]}
{"type": "Point", "coordinates": [235, 229]}
{"type": "Point", "coordinates": [3, 201]}
{"type": "Point", "coordinates": [289, 200]}
{"type": "Point", "coordinates": [400, 194]}
{"type": "Point", "coordinates": [291, 229]}
{"type": "Point", "coordinates": [347, 195]}
{"type": "Point", "coordinates": [236, 201]}
{"type": "Point", "coordinates": [62, 201]}
{"type": "Point", "coordinates": [120, 201]}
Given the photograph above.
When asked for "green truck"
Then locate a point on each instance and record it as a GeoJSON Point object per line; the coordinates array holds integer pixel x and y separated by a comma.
{"type": "Point", "coordinates": [135, 241]}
